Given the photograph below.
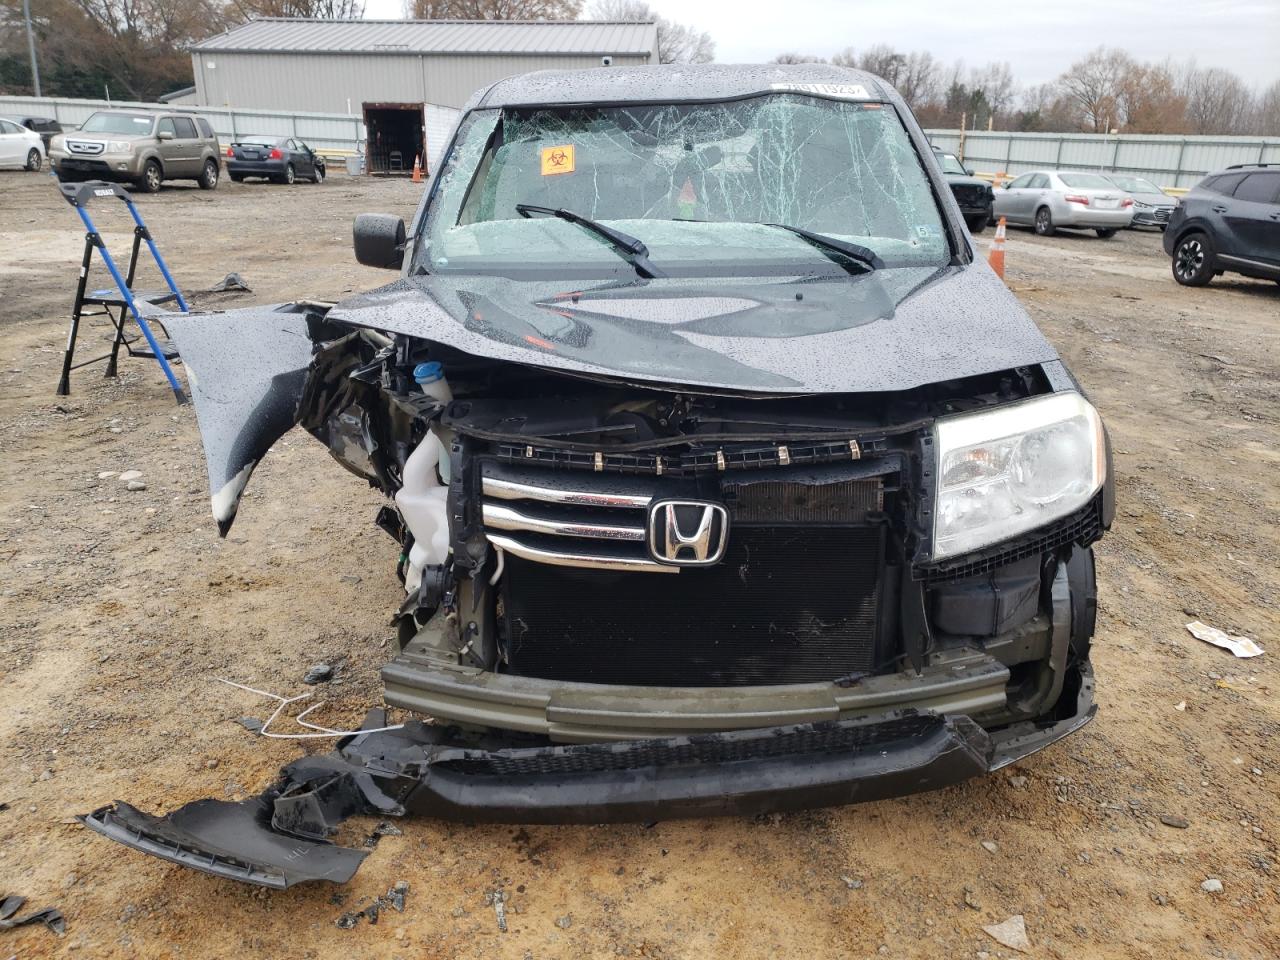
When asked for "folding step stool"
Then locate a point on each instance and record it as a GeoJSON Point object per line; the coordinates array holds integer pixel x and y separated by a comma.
{"type": "Point", "coordinates": [118, 303]}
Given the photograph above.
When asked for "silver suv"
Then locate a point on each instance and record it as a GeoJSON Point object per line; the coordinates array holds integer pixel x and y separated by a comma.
{"type": "Point", "coordinates": [140, 148]}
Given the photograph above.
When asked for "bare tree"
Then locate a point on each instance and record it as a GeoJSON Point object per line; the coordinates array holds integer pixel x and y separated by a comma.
{"type": "Point", "coordinates": [995, 81]}
{"type": "Point", "coordinates": [1149, 101]}
{"type": "Point", "coordinates": [677, 42]}
{"type": "Point", "coordinates": [495, 9]}
{"type": "Point", "coordinates": [1094, 85]}
{"type": "Point", "coordinates": [1217, 100]}
{"type": "Point", "coordinates": [1266, 119]}
{"type": "Point", "coordinates": [798, 58]}
{"type": "Point", "coordinates": [308, 9]}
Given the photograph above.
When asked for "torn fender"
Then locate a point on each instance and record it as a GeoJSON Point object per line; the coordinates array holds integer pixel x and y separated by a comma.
{"type": "Point", "coordinates": [246, 370]}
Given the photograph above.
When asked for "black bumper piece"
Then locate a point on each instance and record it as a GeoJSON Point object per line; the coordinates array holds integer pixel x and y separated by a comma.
{"type": "Point", "coordinates": [282, 837]}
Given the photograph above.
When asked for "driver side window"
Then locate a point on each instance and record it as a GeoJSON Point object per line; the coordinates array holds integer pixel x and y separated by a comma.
{"type": "Point", "coordinates": [166, 126]}
{"type": "Point", "coordinates": [1022, 182]}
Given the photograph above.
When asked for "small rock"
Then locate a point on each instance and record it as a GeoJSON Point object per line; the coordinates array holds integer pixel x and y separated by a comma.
{"type": "Point", "coordinates": [853, 883]}
{"type": "Point", "coordinates": [130, 475]}
{"type": "Point", "coordinates": [1212, 885]}
{"type": "Point", "coordinates": [882, 949]}
{"type": "Point", "coordinates": [565, 922]}
{"type": "Point", "coordinates": [212, 763]}
{"type": "Point", "coordinates": [1018, 783]}
{"type": "Point", "coordinates": [1178, 823]}
{"type": "Point", "coordinates": [1180, 706]}
{"type": "Point", "coordinates": [970, 901]}
{"type": "Point", "coordinates": [990, 846]}
{"type": "Point", "coordinates": [318, 673]}
{"type": "Point", "coordinates": [135, 486]}
{"type": "Point", "coordinates": [106, 474]}
{"type": "Point", "coordinates": [1012, 933]}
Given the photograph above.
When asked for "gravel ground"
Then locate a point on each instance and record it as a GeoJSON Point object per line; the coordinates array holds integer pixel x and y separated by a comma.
{"type": "Point", "coordinates": [119, 607]}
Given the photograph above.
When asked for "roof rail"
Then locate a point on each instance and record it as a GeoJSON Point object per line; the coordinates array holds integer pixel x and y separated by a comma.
{"type": "Point", "coordinates": [1241, 166]}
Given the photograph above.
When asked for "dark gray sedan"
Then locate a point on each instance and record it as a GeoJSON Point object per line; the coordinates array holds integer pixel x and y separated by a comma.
{"type": "Point", "coordinates": [278, 159]}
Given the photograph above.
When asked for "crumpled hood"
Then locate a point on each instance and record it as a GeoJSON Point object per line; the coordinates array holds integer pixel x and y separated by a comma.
{"type": "Point", "coordinates": [893, 329]}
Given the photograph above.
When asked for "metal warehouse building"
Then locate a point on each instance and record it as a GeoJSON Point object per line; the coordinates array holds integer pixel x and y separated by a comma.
{"type": "Point", "coordinates": [405, 78]}
{"type": "Point", "coordinates": [334, 66]}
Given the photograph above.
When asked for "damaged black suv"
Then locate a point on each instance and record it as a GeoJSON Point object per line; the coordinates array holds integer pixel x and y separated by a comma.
{"type": "Point", "coordinates": [724, 477]}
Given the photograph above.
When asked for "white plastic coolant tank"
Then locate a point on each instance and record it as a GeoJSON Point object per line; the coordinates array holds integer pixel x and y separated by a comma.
{"type": "Point", "coordinates": [421, 498]}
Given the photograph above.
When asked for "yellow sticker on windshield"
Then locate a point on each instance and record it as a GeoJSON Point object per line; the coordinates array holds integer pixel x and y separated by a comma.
{"type": "Point", "coordinates": [557, 160]}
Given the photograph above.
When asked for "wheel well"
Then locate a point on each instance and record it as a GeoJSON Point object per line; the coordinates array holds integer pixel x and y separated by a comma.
{"type": "Point", "coordinates": [158, 162]}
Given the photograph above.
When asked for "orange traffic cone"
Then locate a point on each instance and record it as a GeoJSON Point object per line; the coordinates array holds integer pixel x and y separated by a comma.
{"type": "Point", "coordinates": [417, 168]}
{"type": "Point", "coordinates": [996, 257]}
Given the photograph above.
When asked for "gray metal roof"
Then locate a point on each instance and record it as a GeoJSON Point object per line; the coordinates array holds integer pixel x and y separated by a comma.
{"type": "Point", "coordinates": [283, 35]}
{"type": "Point", "coordinates": [672, 83]}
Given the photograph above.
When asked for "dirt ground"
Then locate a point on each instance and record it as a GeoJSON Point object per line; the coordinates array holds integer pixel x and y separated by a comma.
{"type": "Point", "coordinates": [119, 608]}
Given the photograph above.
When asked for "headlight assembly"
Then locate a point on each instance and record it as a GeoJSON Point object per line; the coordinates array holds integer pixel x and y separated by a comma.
{"type": "Point", "coordinates": [118, 146]}
{"type": "Point", "coordinates": [1009, 470]}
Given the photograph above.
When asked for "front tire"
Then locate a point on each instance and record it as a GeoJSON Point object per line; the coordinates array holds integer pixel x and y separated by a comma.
{"type": "Point", "coordinates": [977, 224]}
{"type": "Point", "coordinates": [1193, 260]}
{"type": "Point", "coordinates": [289, 175]}
{"type": "Point", "coordinates": [209, 175]}
{"type": "Point", "coordinates": [319, 174]}
{"type": "Point", "coordinates": [152, 177]}
{"type": "Point", "coordinates": [34, 160]}
{"type": "Point", "coordinates": [1044, 223]}
{"type": "Point", "coordinates": [1106, 233]}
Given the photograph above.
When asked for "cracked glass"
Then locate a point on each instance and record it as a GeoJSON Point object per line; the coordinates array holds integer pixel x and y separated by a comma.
{"type": "Point", "coordinates": [697, 183]}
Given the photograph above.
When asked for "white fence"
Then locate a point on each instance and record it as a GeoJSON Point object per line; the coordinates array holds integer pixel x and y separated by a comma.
{"type": "Point", "coordinates": [1171, 161]}
{"type": "Point", "coordinates": [324, 132]}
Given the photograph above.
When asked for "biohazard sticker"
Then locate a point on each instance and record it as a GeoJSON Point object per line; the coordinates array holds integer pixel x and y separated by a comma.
{"type": "Point", "coordinates": [556, 160]}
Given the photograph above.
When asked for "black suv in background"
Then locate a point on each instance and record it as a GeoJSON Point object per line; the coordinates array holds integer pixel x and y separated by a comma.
{"type": "Point", "coordinates": [972, 194]}
{"type": "Point", "coordinates": [1230, 221]}
{"type": "Point", "coordinates": [43, 126]}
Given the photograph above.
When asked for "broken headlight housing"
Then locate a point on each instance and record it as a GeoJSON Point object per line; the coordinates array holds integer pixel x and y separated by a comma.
{"type": "Point", "coordinates": [1007, 471]}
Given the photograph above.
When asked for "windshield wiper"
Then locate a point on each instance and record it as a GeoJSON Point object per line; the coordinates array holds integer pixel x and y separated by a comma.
{"type": "Point", "coordinates": [865, 257]}
{"type": "Point", "coordinates": [631, 249]}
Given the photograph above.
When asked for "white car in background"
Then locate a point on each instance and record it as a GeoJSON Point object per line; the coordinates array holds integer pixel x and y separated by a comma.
{"type": "Point", "coordinates": [1049, 199]}
{"type": "Point", "coordinates": [20, 147]}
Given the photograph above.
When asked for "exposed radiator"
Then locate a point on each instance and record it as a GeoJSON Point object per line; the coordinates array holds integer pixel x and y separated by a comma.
{"type": "Point", "coordinates": [785, 605]}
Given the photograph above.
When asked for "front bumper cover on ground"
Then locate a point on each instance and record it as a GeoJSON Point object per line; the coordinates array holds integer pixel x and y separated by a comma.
{"type": "Point", "coordinates": [283, 836]}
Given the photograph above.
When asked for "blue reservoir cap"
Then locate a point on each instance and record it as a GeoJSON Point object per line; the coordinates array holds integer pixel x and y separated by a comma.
{"type": "Point", "coordinates": [428, 372]}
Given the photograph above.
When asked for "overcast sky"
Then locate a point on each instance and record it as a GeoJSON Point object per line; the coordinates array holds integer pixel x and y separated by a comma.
{"type": "Point", "coordinates": [1039, 39]}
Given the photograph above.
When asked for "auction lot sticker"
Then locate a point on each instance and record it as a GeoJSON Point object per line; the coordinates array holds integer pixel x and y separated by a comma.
{"type": "Point", "coordinates": [839, 91]}
{"type": "Point", "coordinates": [557, 160]}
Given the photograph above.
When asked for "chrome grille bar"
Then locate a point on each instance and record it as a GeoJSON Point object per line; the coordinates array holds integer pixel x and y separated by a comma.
{"type": "Point", "coordinates": [512, 490]}
{"type": "Point", "coordinates": [592, 561]}
{"type": "Point", "coordinates": [506, 518]}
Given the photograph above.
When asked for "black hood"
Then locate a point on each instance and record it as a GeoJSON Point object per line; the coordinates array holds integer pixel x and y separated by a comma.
{"type": "Point", "coordinates": [890, 330]}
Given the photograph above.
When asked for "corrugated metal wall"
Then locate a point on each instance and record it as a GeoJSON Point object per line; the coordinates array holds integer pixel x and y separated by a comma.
{"type": "Point", "coordinates": [322, 131]}
{"type": "Point", "coordinates": [1171, 161]}
{"type": "Point", "coordinates": [326, 82]}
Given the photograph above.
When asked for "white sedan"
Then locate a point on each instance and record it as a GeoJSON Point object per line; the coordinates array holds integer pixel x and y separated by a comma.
{"type": "Point", "coordinates": [20, 147]}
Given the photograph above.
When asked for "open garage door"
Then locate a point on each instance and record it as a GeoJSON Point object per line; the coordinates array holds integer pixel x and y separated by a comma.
{"type": "Point", "coordinates": [396, 135]}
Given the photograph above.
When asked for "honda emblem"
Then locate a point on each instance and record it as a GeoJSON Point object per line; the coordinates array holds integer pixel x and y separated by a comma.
{"type": "Point", "coordinates": [688, 533]}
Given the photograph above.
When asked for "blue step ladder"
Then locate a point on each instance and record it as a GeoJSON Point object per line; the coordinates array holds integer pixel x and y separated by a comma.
{"type": "Point", "coordinates": [119, 303]}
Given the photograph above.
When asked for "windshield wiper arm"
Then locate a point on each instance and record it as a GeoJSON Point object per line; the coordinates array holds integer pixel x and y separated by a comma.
{"type": "Point", "coordinates": [864, 256]}
{"type": "Point", "coordinates": [630, 248]}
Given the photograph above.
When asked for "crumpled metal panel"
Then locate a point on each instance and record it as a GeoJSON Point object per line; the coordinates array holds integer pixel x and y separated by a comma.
{"type": "Point", "coordinates": [246, 369]}
{"type": "Point", "coordinates": [885, 331]}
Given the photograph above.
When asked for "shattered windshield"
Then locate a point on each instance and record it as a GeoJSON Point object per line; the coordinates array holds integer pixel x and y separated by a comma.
{"type": "Point", "coordinates": [697, 184]}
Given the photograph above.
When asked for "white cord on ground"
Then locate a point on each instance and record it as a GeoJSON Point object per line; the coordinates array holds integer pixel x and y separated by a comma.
{"type": "Point", "coordinates": [285, 701]}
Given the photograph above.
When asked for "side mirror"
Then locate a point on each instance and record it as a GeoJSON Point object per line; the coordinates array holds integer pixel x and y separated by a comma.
{"type": "Point", "coordinates": [379, 240]}
{"type": "Point", "coordinates": [968, 171]}
{"type": "Point", "coordinates": [164, 135]}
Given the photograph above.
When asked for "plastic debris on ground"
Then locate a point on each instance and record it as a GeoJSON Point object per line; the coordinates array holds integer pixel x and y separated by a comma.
{"type": "Point", "coordinates": [394, 899]}
{"type": "Point", "coordinates": [1240, 646]}
{"type": "Point", "coordinates": [10, 904]}
{"type": "Point", "coordinates": [1012, 933]}
{"type": "Point", "coordinates": [232, 281]}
